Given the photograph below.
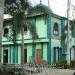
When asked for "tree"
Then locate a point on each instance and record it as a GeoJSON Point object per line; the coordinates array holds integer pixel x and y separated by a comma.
{"type": "Point", "coordinates": [73, 29]}
{"type": "Point", "coordinates": [18, 9]}
{"type": "Point", "coordinates": [1, 24]}
{"type": "Point", "coordinates": [64, 33]}
{"type": "Point", "coordinates": [40, 9]}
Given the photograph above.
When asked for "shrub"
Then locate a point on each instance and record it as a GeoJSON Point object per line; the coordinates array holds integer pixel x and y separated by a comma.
{"type": "Point", "coordinates": [10, 70]}
{"type": "Point", "coordinates": [44, 62]}
{"type": "Point", "coordinates": [72, 64]}
{"type": "Point", "coordinates": [62, 64]}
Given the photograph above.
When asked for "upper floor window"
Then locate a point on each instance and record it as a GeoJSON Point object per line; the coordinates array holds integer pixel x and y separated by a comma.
{"type": "Point", "coordinates": [55, 29]}
{"type": "Point", "coordinates": [25, 28]}
{"type": "Point", "coordinates": [6, 31]}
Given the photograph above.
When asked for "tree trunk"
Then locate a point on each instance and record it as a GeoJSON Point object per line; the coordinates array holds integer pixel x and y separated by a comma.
{"type": "Point", "coordinates": [1, 24]}
{"type": "Point", "coordinates": [22, 48]}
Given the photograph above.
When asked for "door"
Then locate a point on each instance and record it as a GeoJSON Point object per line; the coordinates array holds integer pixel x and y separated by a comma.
{"type": "Point", "coordinates": [54, 54]}
{"type": "Point", "coordinates": [38, 56]}
{"type": "Point", "coordinates": [25, 55]}
{"type": "Point", "coordinates": [5, 56]}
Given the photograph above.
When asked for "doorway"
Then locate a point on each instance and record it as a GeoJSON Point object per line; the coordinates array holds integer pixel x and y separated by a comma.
{"type": "Point", "coordinates": [25, 55]}
{"type": "Point", "coordinates": [5, 56]}
{"type": "Point", "coordinates": [38, 56]}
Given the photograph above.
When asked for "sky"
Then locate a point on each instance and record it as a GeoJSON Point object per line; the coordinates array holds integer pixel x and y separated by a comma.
{"type": "Point", "coordinates": [58, 7]}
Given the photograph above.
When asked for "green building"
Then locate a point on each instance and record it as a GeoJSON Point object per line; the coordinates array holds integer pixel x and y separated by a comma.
{"type": "Point", "coordinates": [46, 48]}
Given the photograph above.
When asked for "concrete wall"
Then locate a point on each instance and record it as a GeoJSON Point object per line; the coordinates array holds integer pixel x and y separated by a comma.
{"type": "Point", "coordinates": [54, 43]}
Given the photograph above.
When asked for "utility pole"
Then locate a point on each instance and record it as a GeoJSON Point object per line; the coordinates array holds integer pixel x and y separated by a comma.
{"type": "Point", "coordinates": [40, 1]}
{"type": "Point", "coordinates": [48, 4]}
{"type": "Point", "coordinates": [68, 36]}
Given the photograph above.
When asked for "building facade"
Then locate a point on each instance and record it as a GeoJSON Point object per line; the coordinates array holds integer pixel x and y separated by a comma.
{"type": "Point", "coordinates": [46, 48]}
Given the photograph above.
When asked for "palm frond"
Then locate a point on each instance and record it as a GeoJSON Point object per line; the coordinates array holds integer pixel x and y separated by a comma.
{"type": "Point", "coordinates": [25, 4]}
{"type": "Point", "coordinates": [9, 1]}
{"type": "Point", "coordinates": [7, 22]}
{"type": "Point", "coordinates": [12, 6]}
{"type": "Point", "coordinates": [72, 23]}
{"type": "Point", "coordinates": [31, 27]}
{"type": "Point", "coordinates": [63, 38]}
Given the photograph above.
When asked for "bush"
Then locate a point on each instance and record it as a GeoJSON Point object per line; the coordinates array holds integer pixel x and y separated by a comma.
{"type": "Point", "coordinates": [72, 64]}
{"type": "Point", "coordinates": [10, 70]}
{"type": "Point", "coordinates": [62, 64]}
{"type": "Point", "coordinates": [44, 62]}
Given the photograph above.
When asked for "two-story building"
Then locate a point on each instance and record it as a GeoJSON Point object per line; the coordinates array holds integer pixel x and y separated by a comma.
{"type": "Point", "coordinates": [46, 48]}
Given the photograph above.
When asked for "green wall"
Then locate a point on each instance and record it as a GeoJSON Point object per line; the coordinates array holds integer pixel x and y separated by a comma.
{"type": "Point", "coordinates": [13, 54]}
{"type": "Point", "coordinates": [44, 27]}
{"type": "Point", "coordinates": [54, 43]}
{"type": "Point", "coordinates": [29, 52]}
{"type": "Point", "coordinates": [73, 41]}
{"type": "Point", "coordinates": [45, 51]}
{"type": "Point", "coordinates": [38, 46]}
{"type": "Point", "coordinates": [19, 54]}
{"type": "Point", "coordinates": [41, 27]}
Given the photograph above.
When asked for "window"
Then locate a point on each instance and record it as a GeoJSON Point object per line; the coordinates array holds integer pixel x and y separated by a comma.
{"type": "Point", "coordinates": [25, 28]}
{"type": "Point", "coordinates": [54, 54]}
{"type": "Point", "coordinates": [57, 54]}
{"type": "Point", "coordinates": [6, 30]}
{"type": "Point", "coordinates": [5, 56]}
{"type": "Point", "coordinates": [55, 29]}
{"type": "Point", "coordinates": [25, 55]}
{"type": "Point", "coordinates": [72, 53]}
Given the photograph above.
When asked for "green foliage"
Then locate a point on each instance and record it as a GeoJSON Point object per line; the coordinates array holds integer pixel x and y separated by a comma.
{"type": "Point", "coordinates": [63, 36]}
{"type": "Point", "coordinates": [62, 64]}
{"type": "Point", "coordinates": [40, 8]}
{"type": "Point", "coordinates": [13, 5]}
{"type": "Point", "coordinates": [64, 32]}
{"type": "Point", "coordinates": [72, 64]}
{"type": "Point", "coordinates": [72, 23]}
{"type": "Point", "coordinates": [10, 70]}
{"type": "Point", "coordinates": [19, 20]}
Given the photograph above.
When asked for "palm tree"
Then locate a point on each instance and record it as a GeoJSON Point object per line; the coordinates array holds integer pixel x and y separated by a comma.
{"type": "Point", "coordinates": [1, 24]}
{"type": "Point", "coordinates": [19, 12]}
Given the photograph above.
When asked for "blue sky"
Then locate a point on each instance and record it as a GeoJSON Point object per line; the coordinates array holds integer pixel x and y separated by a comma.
{"type": "Point", "coordinates": [59, 7]}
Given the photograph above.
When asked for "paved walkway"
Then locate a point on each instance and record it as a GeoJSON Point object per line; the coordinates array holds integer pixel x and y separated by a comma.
{"type": "Point", "coordinates": [45, 70]}
{"type": "Point", "coordinates": [59, 72]}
